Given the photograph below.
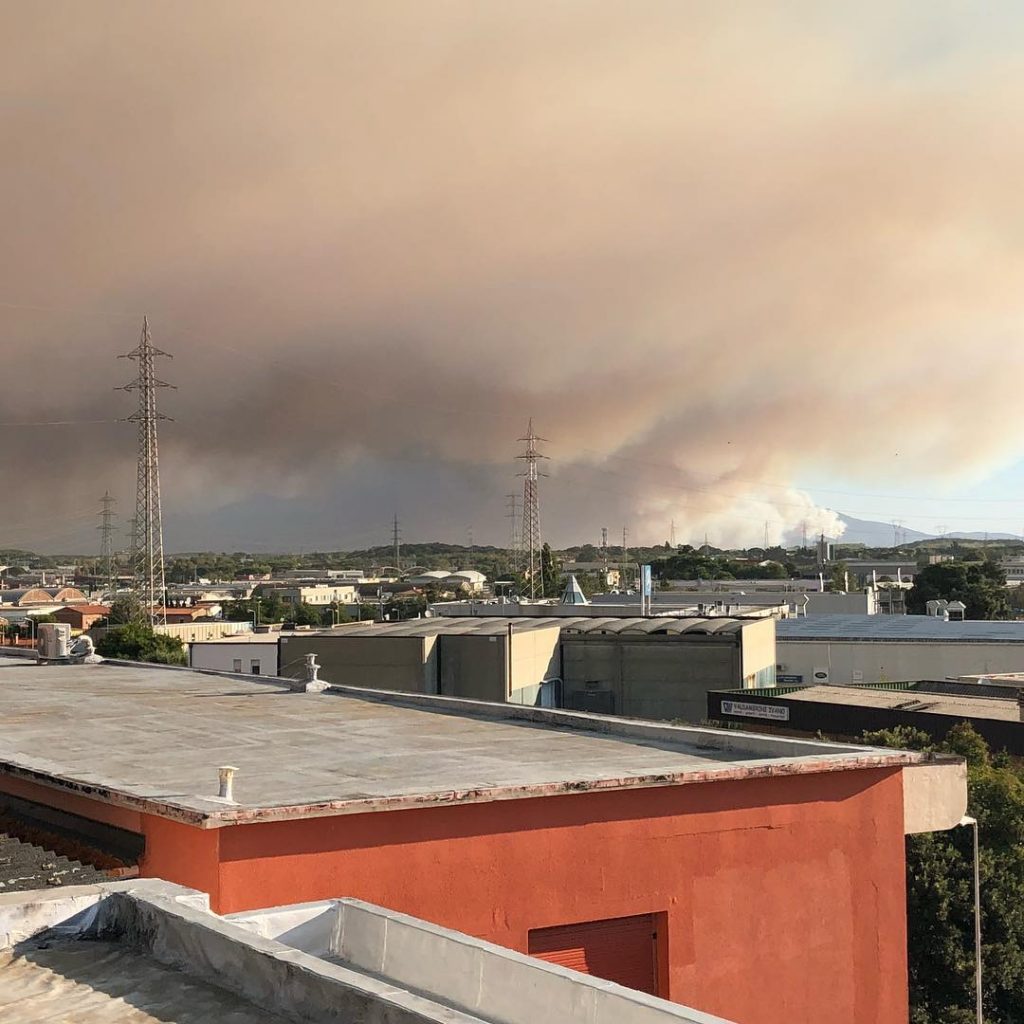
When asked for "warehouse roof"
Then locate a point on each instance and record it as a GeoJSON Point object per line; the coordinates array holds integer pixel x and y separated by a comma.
{"type": "Point", "coordinates": [155, 738]}
{"type": "Point", "coordinates": [898, 627]}
{"type": "Point", "coordinates": [494, 624]}
{"type": "Point", "coordinates": [956, 705]}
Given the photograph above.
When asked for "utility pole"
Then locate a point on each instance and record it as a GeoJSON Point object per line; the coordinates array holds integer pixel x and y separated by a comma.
{"type": "Point", "coordinates": [672, 535]}
{"type": "Point", "coordinates": [148, 560]}
{"type": "Point", "coordinates": [531, 508]}
{"type": "Point", "coordinates": [512, 515]}
{"type": "Point", "coordinates": [397, 541]}
{"type": "Point", "coordinates": [106, 529]}
{"type": "Point", "coordinates": [625, 559]}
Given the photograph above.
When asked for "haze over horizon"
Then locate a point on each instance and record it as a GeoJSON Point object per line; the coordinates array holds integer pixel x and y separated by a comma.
{"type": "Point", "coordinates": [740, 264]}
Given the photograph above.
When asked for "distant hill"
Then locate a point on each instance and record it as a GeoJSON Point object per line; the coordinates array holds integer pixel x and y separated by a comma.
{"type": "Point", "coordinates": [876, 535]}
{"type": "Point", "coordinates": [879, 535]}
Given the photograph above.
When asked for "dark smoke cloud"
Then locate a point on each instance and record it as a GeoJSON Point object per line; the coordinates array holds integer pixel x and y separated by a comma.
{"type": "Point", "coordinates": [710, 251]}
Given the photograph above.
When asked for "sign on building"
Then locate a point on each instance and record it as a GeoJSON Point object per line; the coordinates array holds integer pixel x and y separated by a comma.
{"type": "Point", "coordinates": [747, 710]}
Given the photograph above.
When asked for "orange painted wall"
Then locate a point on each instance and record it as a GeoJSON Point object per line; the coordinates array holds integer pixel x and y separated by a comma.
{"type": "Point", "coordinates": [785, 898]}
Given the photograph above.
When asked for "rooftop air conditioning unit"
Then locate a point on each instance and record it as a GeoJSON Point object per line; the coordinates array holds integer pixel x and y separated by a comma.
{"type": "Point", "coordinates": [54, 641]}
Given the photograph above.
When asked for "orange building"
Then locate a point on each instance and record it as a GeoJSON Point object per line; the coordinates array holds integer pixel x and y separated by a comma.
{"type": "Point", "coordinates": [81, 616]}
{"type": "Point", "coordinates": [757, 878]}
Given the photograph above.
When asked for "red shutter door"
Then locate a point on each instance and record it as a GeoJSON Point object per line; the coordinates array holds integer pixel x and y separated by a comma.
{"type": "Point", "coordinates": [621, 949]}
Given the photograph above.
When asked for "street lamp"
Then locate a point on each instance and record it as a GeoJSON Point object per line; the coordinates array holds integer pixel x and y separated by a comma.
{"type": "Point", "coordinates": [966, 820]}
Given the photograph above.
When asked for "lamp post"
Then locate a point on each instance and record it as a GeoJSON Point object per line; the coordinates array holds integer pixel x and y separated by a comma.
{"type": "Point", "coordinates": [966, 820]}
{"type": "Point", "coordinates": [258, 600]}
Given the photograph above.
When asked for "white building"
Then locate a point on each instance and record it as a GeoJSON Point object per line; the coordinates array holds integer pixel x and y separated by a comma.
{"type": "Point", "coordinates": [843, 649]}
{"type": "Point", "coordinates": [252, 653]}
{"type": "Point", "coordinates": [319, 595]}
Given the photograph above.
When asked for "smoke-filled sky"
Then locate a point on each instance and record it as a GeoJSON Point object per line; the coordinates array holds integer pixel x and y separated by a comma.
{"type": "Point", "coordinates": [742, 263]}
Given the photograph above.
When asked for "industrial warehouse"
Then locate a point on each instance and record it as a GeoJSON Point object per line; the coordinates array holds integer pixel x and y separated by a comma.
{"type": "Point", "coordinates": [883, 648]}
{"type": "Point", "coordinates": [996, 712]}
{"type": "Point", "coordinates": [660, 849]}
{"type": "Point", "coordinates": [659, 668]}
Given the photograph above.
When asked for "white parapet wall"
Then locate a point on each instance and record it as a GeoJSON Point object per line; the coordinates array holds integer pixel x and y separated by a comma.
{"type": "Point", "coordinates": [489, 982]}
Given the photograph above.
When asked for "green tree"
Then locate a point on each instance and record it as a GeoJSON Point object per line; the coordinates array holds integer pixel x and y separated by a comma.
{"type": "Point", "coordinates": [548, 572]}
{"type": "Point", "coordinates": [840, 573]}
{"type": "Point", "coordinates": [304, 614]}
{"type": "Point", "coordinates": [940, 895]}
{"type": "Point", "coordinates": [124, 610]}
{"type": "Point", "coordinates": [137, 641]}
{"type": "Point", "coordinates": [981, 586]}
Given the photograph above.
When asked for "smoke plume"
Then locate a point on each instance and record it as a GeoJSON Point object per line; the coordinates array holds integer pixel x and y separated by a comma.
{"type": "Point", "coordinates": [712, 249]}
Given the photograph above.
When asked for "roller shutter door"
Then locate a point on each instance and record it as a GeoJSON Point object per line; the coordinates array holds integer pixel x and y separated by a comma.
{"type": "Point", "coordinates": [622, 949]}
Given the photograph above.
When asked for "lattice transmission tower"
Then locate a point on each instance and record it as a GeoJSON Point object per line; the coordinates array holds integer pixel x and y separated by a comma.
{"type": "Point", "coordinates": [106, 529]}
{"type": "Point", "coordinates": [531, 541]}
{"type": "Point", "coordinates": [148, 533]}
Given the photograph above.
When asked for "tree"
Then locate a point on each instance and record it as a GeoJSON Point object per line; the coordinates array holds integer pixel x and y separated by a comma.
{"type": "Point", "coordinates": [838, 580]}
{"type": "Point", "coordinates": [548, 572]}
{"type": "Point", "coordinates": [981, 586]}
{"type": "Point", "coordinates": [124, 610]}
{"type": "Point", "coordinates": [304, 614]}
{"type": "Point", "coordinates": [137, 641]}
{"type": "Point", "coordinates": [940, 896]}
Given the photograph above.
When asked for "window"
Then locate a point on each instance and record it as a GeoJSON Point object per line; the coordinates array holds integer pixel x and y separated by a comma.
{"type": "Point", "coordinates": [237, 665]}
{"type": "Point", "coordinates": [254, 666]}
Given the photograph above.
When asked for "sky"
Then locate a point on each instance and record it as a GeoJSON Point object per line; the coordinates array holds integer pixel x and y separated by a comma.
{"type": "Point", "coordinates": [744, 265]}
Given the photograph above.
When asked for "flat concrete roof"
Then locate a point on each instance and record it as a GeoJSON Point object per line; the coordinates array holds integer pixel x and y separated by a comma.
{"type": "Point", "coordinates": [99, 982]}
{"type": "Point", "coordinates": [928, 628]}
{"type": "Point", "coordinates": [152, 738]}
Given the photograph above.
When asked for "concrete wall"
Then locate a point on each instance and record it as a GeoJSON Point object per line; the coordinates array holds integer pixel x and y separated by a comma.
{"type": "Point", "coordinates": [864, 602]}
{"type": "Point", "coordinates": [757, 652]}
{"type": "Point", "coordinates": [856, 661]}
{"type": "Point", "coordinates": [664, 677]}
{"type": "Point", "coordinates": [479, 666]}
{"type": "Point", "coordinates": [385, 662]}
{"type": "Point", "coordinates": [221, 657]}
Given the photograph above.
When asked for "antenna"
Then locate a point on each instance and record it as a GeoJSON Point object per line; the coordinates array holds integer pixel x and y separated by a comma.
{"type": "Point", "coordinates": [148, 534]}
{"type": "Point", "coordinates": [766, 525]}
{"type": "Point", "coordinates": [512, 515]}
{"type": "Point", "coordinates": [396, 539]}
{"type": "Point", "coordinates": [531, 508]}
{"type": "Point", "coordinates": [672, 534]}
{"type": "Point", "coordinates": [106, 528]}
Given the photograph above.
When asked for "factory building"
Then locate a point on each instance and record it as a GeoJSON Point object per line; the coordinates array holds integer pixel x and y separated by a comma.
{"type": "Point", "coordinates": [483, 659]}
{"type": "Point", "coordinates": [884, 648]}
{"type": "Point", "coordinates": [994, 710]}
{"type": "Point", "coordinates": [760, 879]}
{"type": "Point", "coordinates": [662, 668]}
{"type": "Point", "coordinates": [658, 667]}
